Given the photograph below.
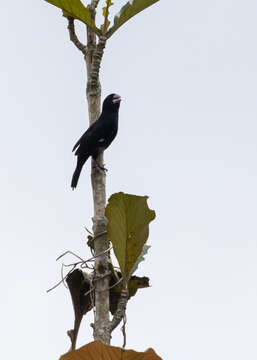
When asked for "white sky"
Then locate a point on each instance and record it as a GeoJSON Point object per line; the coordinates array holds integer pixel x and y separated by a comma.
{"type": "Point", "coordinates": [187, 71]}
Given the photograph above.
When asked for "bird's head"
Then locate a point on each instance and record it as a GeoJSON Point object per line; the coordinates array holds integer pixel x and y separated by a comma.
{"type": "Point", "coordinates": [112, 102]}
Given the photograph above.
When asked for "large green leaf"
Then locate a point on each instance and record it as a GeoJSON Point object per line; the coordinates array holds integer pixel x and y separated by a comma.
{"type": "Point", "coordinates": [76, 9]}
{"type": "Point", "coordinates": [129, 10]}
{"type": "Point", "coordinates": [140, 258]}
{"type": "Point", "coordinates": [128, 228]}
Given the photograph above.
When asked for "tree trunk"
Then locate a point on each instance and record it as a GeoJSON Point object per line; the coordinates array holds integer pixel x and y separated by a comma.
{"type": "Point", "coordinates": [98, 179]}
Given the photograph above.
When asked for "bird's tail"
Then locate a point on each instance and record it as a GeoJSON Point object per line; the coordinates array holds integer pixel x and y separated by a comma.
{"type": "Point", "coordinates": [75, 176]}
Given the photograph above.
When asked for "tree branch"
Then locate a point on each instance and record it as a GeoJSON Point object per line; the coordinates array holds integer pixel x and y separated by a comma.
{"type": "Point", "coordinates": [95, 3]}
{"type": "Point", "coordinates": [93, 59]}
{"type": "Point", "coordinates": [74, 38]}
{"type": "Point", "coordinates": [120, 312]}
{"type": "Point", "coordinates": [96, 61]}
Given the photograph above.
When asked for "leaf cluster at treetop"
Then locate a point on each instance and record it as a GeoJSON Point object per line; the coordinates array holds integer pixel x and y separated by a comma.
{"type": "Point", "coordinates": [76, 10]}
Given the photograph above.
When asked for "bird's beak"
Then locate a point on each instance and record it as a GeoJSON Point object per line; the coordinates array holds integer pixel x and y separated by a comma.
{"type": "Point", "coordinates": [116, 99]}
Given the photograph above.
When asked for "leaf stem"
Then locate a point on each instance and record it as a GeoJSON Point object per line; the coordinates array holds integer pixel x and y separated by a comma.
{"type": "Point", "coordinates": [105, 27]}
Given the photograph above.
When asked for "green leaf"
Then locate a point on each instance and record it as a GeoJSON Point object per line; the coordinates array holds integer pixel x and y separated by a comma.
{"type": "Point", "coordinates": [104, 11]}
{"type": "Point", "coordinates": [77, 10]}
{"type": "Point", "coordinates": [129, 10]}
{"type": "Point", "coordinates": [66, 14]}
{"type": "Point", "coordinates": [140, 258]}
{"type": "Point", "coordinates": [107, 25]}
{"type": "Point", "coordinates": [128, 228]}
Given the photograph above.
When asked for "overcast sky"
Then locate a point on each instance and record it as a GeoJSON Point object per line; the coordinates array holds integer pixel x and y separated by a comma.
{"type": "Point", "coordinates": [187, 71]}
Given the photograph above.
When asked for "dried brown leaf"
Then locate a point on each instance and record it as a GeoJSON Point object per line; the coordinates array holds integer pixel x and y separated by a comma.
{"type": "Point", "coordinates": [97, 350]}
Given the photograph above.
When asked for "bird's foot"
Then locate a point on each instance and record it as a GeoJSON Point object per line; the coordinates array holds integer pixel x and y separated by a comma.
{"type": "Point", "coordinates": [101, 167]}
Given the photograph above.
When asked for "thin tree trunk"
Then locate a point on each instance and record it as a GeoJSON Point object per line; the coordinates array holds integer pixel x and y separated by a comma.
{"type": "Point", "coordinates": [98, 179]}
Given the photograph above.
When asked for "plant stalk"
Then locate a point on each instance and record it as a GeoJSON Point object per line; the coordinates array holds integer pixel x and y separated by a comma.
{"type": "Point", "coordinates": [93, 59]}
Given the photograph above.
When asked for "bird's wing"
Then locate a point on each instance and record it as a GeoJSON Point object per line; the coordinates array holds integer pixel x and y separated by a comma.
{"type": "Point", "coordinates": [76, 145]}
{"type": "Point", "coordinates": [86, 136]}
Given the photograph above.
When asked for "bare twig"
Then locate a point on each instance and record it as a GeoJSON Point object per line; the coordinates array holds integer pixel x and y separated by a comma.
{"type": "Point", "coordinates": [100, 254]}
{"type": "Point", "coordinates": [73, 265]}
{"type": "Point", "coordinates": [123, 329]}
{"type": "Point", "coordinates": [93, 288]}
{"type": "Point", "coordinates": [60, 282]}
{"type": "Point", "coordinates": [83, 263]}
{"type": "Point", "coordinates": [120, 312]}
{"type": "Point", "coordinates": [82, 260]}
{"type": "Point", "coordinates": [99, 234]}
{"type": "Point", "coordinates": [119, 281]}
{"type": "Point", "coordinates": [63, 277]}
{"type": "Point", "coordinates": [70, 252]}
{"type": "Point", "coordinates": [88, 231]}
{"type": "Point", "coordinates": [73, 36]}
{"type": "Point", "coordinates": [90, 292]}
{"type": "Point", "coordinates": [54, 287]}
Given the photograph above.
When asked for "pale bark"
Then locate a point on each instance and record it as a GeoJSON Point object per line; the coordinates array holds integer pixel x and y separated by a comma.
{"type": "Point", "coordinates": [93, 52]}
{"type": "Point", "coordinates": [93, 59]}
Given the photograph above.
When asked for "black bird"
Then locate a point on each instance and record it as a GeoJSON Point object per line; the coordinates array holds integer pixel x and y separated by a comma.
{"type": "Point", "coordinates": [98, 136]}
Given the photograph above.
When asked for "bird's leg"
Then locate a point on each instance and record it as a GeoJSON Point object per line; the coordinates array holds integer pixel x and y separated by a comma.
{"type": "Point", "coordinates": [101, 167]}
